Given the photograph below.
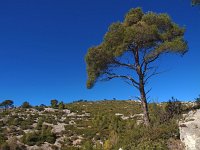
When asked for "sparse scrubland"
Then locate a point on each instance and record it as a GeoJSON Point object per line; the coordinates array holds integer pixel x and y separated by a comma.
{"type": "Point", "coordinates": [129, 51]}
{"type": "Point", "coordinates": [99, 125]}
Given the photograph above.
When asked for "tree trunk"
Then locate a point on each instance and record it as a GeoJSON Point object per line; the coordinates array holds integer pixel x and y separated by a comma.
{"type": "Point", "coordinates": [141, 87]}
{"type": "Point", "coordinates": [144, 104]}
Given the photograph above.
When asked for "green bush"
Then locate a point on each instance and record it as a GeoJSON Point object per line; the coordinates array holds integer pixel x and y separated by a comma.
{"type": "Point", "coordinates": [197, 101]}
{"type": "Point", "coordinates": [173, 108]}
{"type": "Point", "coordinates": [40, 123]}
{"type": "Point", "coordinates": [39, 137]}
{"type": "Point", "coordinates": [87, 145]}
{"type": "Point", "coordinates": [39, 108]}
{"type": "Point", "coordinates": [61, 105]}
{"type": "Point", "coordinates": [47, 136]}
{"type": "Point", "coordinates": [157, 112]}
{"type": "Point", "coordinates": [31, 139]}
{"type": "Point", "coordinates": [26, 105]}
{"type": "Point", "coordinates": [54, 103]}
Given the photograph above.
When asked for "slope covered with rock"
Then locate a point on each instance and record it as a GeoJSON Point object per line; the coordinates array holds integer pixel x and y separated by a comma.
{"type": "Point", "coordinates": [100, 125]}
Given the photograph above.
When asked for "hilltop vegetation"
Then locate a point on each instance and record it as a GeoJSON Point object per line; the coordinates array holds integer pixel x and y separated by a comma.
{"type": "Point", "coordinates": [101, 125]}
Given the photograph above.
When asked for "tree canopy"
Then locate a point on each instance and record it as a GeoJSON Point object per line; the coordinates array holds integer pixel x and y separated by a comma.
{"type": "Point", "coordinates": [152, 34]}
{"type": "Point", "coordinates": [7, 103]}
{"type": "Point", "coordinates": [26, 105]}
{"type": "Point", "coordinates": [135, 44]}
{"type": "Point", "coordinates": [54, 103]}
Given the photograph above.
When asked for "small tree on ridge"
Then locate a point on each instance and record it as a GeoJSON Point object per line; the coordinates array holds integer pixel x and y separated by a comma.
{"type": "Point", "coordinates": [54, 103]}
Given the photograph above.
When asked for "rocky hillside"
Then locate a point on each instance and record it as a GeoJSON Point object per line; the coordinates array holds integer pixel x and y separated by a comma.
{"type": "Point", "coordinates": [101, 125]}
{"type": "Point", "coordinates": [190, 130]}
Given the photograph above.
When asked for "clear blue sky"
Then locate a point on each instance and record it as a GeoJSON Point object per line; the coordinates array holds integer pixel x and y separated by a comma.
{"type": "Point", "coordinates": [43, 44]}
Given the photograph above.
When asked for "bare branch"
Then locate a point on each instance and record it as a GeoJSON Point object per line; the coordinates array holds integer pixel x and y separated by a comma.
{"type": "Point", "coordinates": [143, 58]}
{"type": "Point", "coordinates": [129, 78]}
{"type": "Point", "coordinates": [146, 63]}
{"type": "Point", "coordinates": [131, 84]}
{"type": "Point", "coordinates": [148, 69]}
{"type": "Point", "coordinates": [148, 91]}
{"type": "Point", "coordinates": [145, 68]}
{"type": "Point", "coordinates": [151, 75]}
{"type": "Point", "coordinates": [138, 98]}
{"type": "Point", "coordinates": [125, 65]}
{"type": "Point", "coordinates": [149, 100]}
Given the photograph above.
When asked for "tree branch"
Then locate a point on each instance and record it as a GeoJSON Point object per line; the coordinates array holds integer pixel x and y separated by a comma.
{"type": "Point", "coordinates": [125, 65]}
{"type": "Point", "coordinates": [152, 60]}
{"type": "Point", "coordinates": [151, 75]}
{"type": "Point", "coordinates": [112, 76]}
{"type": "Point", "coordinates": [146, 64]}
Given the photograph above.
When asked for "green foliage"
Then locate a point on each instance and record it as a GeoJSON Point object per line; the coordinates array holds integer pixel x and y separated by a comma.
{"type": "Point", "coordinates": [49, 119]}
{"type": "Point", "coordinates": [47, 135]}
{"type": "Point", "coordinates": [26, 105]}
{"type": "Point", "coordinates": [70, 148]}
{"type": "Point", "coordinates": [54, 103]}
{"type": "Point", "coordinates": [102, 126]}
{"type": "Point", "coordinates": [149, 34]}
{"type": "Point", "coordinates": [7, 103]}
{"type": "Point", "coordinates": [40, 123]}
{"type": "Point", "coordinates": [150, 145]}
{"type": "Point", "coordinates": [149, 138]}
{"type": "Point", "coordinates": [116, 133]}
{"type": "Point", "coordinates": [23, 123]}
{"type": "Point", "coordinates": [107, 106]}
{"type": "Point", "coordinates": [112, 140]}
{"type": "Point", "coordinates": [88, 145]}
{"type": "Point", "coordinates": [197, 100]}
{"type": "Point", "coordinates": [101, 121]}
{"type": "Point", "coordinates": [40, 108]}
{"type": "Point", "coordinates": [157, 113]}
{"type": "Point", "coordinates": [61, 105]}
{"type": "Point", "coordinates": [173, 108]}
{"type": "Point", "coordinates": [31, 139]}
{"type": "Point", "coordinates": [105, 121]}
{"type": "Point", "coordinates": [39, 137]}
{"type": "Point", "coordinates": [26, 124]}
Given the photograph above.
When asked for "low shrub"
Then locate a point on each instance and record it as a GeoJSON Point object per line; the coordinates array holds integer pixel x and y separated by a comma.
{"type": "Point", "coordinates": [197, 101]}
{"type": "Point", "coordinates": [39, 137]}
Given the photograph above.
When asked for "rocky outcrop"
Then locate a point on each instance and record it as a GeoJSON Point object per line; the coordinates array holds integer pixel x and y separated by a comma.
{"type": "Point", "coordinates": [189, 128]}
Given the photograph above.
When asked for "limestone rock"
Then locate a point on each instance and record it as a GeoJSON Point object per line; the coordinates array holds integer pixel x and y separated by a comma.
{"type": "Point", "coordinates": [190, 130]}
